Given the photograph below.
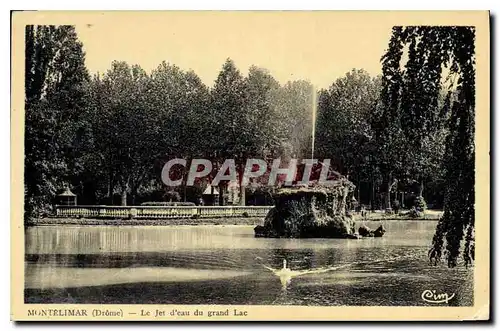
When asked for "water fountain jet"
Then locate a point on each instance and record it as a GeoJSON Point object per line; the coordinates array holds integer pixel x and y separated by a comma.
{"type": "Point", "coordinates": [312, 211]}
{"type": "Point", "coordinates": [314, 110]}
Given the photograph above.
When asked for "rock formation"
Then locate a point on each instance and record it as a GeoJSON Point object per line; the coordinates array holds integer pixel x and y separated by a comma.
{"type": "Point", "coordinates": [310, 212]}
{"type": "Point", "coordinates": [365, 231]}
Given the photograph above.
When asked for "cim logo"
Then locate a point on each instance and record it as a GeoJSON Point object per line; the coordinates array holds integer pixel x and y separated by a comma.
{"type": "Point", "coordinates": [433, 297]}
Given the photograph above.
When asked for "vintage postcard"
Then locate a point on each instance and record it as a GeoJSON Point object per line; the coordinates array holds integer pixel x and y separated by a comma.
{"type": "Point", "coordinates": [250, 166]}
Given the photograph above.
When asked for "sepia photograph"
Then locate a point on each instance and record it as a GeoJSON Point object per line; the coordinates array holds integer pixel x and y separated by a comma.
{"type": "Point", "coordinates": [230, 160]}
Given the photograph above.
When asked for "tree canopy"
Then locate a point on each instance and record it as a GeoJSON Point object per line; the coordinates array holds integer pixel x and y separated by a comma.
{"type": "Point", "coordinates": [107, 136]}
{"type": "Point", "coordinates": [56, 82]}
{"type": "Point", "coordinates": [414, 122]}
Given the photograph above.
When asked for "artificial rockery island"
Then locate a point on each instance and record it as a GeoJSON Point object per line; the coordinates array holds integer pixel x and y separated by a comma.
{"type": "Point", "coordinates": [314, 211]}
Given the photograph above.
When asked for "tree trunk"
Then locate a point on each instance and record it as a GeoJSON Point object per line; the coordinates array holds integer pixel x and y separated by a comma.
{"type": "Point", "coordinates": [421, 188]}
{"type": "Point", "coordinates": [242, 195]}
{"type": "Point", "coordinates": [133, 195]}
{"type": "Point", "coordinates": [212, 197]}
{"type": "Point", "coordinates": [372, 201]}
{"type": "Point", "coordinates": [388, 193]}
{"type": "Point", "coordinates": [221, 195]}
{"type": "Point", "coordinates": [124, 195]}
{"type": "Point", "coordinates": [111, 186]}
{"type": "Point", "coordinates": [388, 198]}
{"type": "Point", "coordinates": [359, 192]}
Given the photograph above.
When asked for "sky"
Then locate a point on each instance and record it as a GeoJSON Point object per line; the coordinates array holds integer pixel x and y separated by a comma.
{"type": "Point", "coordinates": [318, 47]}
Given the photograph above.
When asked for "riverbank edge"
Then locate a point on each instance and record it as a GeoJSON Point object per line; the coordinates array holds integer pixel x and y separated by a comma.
{"type": "Point", "coordinates": [189, 221]}
{"type": "Point", "coordinates": [372, 217]}
{"type": "Point", "coordinates": [143, 222]}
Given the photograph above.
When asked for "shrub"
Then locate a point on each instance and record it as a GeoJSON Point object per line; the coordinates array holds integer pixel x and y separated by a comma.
{"type": "Point", "coordinates": [414, 213]}
{"type": "Point", "coordinates": [162, 203]}
{"type": "Point", "coordinates": [395, 206]}
{"type": "Point", "coordinates": [420, 204]}
{"type": "Point", "coordinates": [133, 213]}
{"type": "Point", "coordinates": [172, 196]}
{"type": "Point", "coordinates": [245, 214]}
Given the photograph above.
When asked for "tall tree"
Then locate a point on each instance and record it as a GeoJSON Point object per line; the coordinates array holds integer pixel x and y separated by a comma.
{"type": "Point", "coordinates": [343, 129]}
{"type": "Point", "coordinates": [386, 119]}
{"type": "Point", "coordinates": [264, 119]}
{"type": "Point", "coordinates": [262, 90]}
{"type": "Point", "coordinates": [414, 104]}
{"type": "Point", "coordinates": [458, 47]}
{"type": "Point", "coordinates": [230, 134]}
{"type": "Point", "coordinates": [295, 112]}
{"type": "Point", "coordinates": [420, 96]}
{"type": "Point", "coordinates": [181, 103]}
{"type": "Point", "coordinates": [124, 128]}
{"type": "Point", "coordinates": [56, 82]}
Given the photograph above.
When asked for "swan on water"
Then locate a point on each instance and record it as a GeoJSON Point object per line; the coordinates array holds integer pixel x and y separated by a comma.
{"type": "Point", "coordinates": [284, 266]}
{"type": "Point", "coordinates": [285, 270]}
{"type": "Point", "coordinates": [286, 274]}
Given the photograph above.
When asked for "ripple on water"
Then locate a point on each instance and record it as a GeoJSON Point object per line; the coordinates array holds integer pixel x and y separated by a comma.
{"type": "Point", "coordinates": [224, 265]}
{"type": "Point", "coordinates": [80, 277]}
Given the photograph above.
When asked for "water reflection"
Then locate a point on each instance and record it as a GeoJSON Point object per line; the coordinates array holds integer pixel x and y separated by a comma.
{"type": "Point", "coordinates": [227, 265]}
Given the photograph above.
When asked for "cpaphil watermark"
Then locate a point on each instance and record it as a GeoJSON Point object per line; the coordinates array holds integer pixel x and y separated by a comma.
{"type": "Point", "coordinates": [292, 172]}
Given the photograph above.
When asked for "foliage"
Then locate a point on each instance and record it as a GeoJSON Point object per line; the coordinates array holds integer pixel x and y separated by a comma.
{"type": "Point", "coordinates": [170, 203]}
{"type": "Point", "coordinates": [343, 130]}
{"type": "Point", "coordinates": [385, 121]}
{"type": "Point", "coordinates": [108, 136]}
{"type": "Point", "coordinates": [396, 206]}
{"type": "Point", "coordinates": [230, 136]}
{"type": "Point", "coordinates": [124, 131]}
{"type": "Point", "coordinates": [415, 213]}
{"type": "Point", "coordinates": [420, 204]}
{"type": "Point", "coordinates": [294, 103]}
{"type": "Point", "coordinates": [55, 128]}
{"type": "Point", "coordinates": [412, 112]}
{"type": "Point", "coordinates": [172, 196]}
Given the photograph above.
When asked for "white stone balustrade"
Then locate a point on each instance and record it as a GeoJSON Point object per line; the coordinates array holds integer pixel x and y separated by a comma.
{"type": "Point", "coordinates": [160, 212]}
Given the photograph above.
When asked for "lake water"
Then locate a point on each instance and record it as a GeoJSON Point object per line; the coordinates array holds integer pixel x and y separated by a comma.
{"type": "Point", "coordinates": [227, 265]}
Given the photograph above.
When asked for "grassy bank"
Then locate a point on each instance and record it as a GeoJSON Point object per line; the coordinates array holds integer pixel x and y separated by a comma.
{"type": "Point", "coordinates": [125, 222]}
{"type": "Point", "coordinates": [429, 215]}
{"type": "Point", "coordinates": [374, 216]}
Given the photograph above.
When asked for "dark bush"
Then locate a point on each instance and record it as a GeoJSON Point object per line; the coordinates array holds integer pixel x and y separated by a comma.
{"type": "Point", "coordinates": [172, 196]}
{"type": "Point", "coordinates": [414, 213]}
{"type": "Point", "coordinates": [396, 206]}
{"type": "Point", "coordinates": [260, 196]}
{"type": "Point", "coordinates": [161, 203]}
{"type": "Point", "coordinates": [420, 204]}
